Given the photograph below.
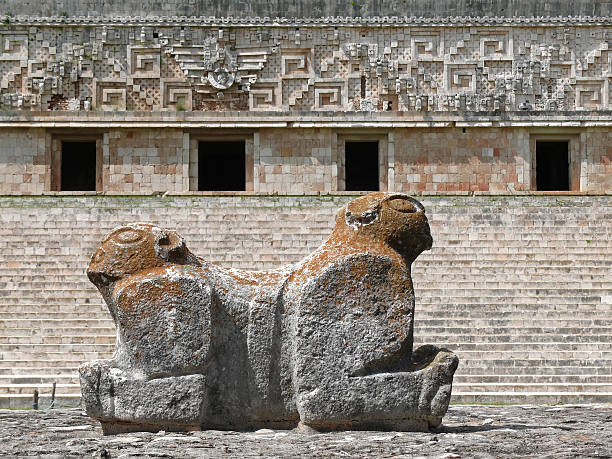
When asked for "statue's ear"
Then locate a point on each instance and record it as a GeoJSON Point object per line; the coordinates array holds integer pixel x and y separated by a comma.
{"type": "Point", "coordinates": [170, 246]}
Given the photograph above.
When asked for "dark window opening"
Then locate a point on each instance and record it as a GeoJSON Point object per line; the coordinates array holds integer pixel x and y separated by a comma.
{"type": "Point", "coordinates": [361, 166]}
{"type": "Point", "coordinates": [78, 166]}
{"type": "Point", "coordinates": [363, 86]}
{"type": "Point", "coordinates": [221, 166]}
{"type": "Point", "coordinates": [552, 166]}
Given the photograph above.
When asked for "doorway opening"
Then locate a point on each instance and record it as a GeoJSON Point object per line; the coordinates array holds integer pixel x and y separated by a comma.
{"type": "Point", "coordinates": [552, 166]}
{"type": "Point", "coordinates": [78, 166]}
{"type": "Point", "coordinates": [361, 166]}
{"type": "Point", "coordinates": [221, 166]}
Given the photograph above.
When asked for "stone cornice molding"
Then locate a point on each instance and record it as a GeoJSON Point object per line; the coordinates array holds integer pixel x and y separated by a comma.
{"type": "Point", "coordinates": [389, 21]}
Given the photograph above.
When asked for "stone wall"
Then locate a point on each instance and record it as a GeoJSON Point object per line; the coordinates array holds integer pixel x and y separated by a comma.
{"type": "Point", "coordinates": [296, 160]}
{"type": "Point", "coordinates": [24, 166]}
{"type": "Point", "coordinates": [308, 8]}
{"type": "Point", "coordinates": [599, 168]}
{"type": "Point", "coordinates": [145, 161]}
{"type": "Point", "coordinates": [468, 65]}
{"type": "Point", "coordinates": [518, 286]}
{"type": "Point", "coordinates": [462, 160]}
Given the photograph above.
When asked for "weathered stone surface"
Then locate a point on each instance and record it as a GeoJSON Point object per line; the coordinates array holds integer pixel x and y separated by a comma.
{"type": "Point", "coordinates": [567, 431]}
{"type": "Point", "coordinates": [326, 342]}
{"type": "Point", "coordinates": [307, 8]}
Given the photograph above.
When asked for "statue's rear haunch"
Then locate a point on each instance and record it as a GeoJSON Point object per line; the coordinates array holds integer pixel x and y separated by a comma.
{"type": "Point", "coordinates": [326, 343]}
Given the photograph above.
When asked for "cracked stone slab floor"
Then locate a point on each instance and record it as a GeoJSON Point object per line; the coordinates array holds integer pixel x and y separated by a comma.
{"type": "Point", "coordinates": [468, 431]}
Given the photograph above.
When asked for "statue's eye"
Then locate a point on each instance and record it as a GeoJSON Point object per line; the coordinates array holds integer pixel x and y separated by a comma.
{"type": "Point", "coordinates": [98, 256]}
{"type": "Point", "coordinates": [165, 240]}
{"type": "Point", "coordinates": [128, 236]}
{"type": "Point", "coordinates": [401, 205]}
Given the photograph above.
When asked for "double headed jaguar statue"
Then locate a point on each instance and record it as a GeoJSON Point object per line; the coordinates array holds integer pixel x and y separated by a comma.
{"type": "Point", "coordinates": [326, 343]}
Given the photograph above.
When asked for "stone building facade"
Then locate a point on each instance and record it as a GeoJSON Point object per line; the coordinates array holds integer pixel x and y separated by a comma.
{"type": "Point", "coordinates": [441, 103]}
{"type": "Point", "coordinates": [246, 124]}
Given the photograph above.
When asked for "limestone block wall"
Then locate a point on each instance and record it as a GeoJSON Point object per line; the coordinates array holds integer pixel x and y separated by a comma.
{"type": "Point", "coordinates": [24, 167]}
{"type": "Point", "coordinates": [145, 161]}
{"type": "Point", "coordinates": [599, 165]}
{"type": "Point", "coordinates": [462, 160]}
{"type": "Point", "coordinates": [519, 286]}
{"type": "Point", "coordinates": [296, 160]}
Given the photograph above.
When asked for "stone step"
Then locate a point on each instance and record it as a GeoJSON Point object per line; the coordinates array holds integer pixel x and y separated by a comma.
{"type": "Point", "coordinates": [107, 337]}
{"type": "Point", "coordinates": [531, 387]}
{"type": "Point", "coordinates": [503, 279]}
{"type": "Point", "coordinates": [450, 268]}
{"type": "Point", "coordinates": [18, 309]}
{"type": "Point", "coordinates": [425, 305]}
{"type": "Point", "coordinates": [33, 378]}
{"type": "Point", "coordinates": [80, 352]}
{"type": "Point", "coordinates": [57, 332]}
{"type": "Point", "coordinates": [93, 300]}
{"type": "Point", "coordinates": [502, 297]}
{"type": "Point", "coordinates": [55, 361]}
{"type": "Point", "coordinates": [528, 379]}
{"type": "Point", "coordinates": [511, 296]}
{"type": "Point", "coordinates": [69, 395]}
{"type": "Point", "coordinates": [537, 367]}
{"type": "Point", "coordinates": [41, 368]}
{"type": "Point", "coordinates": [73, 277]}
{"type": "Point", "coordinates": [559, 330]}
{"type": "Point", "coordinates": [421, 338]}
{"type": "Point", "coordinates": [460, 380]}
{"type": "Point", "coordinates": [450, 296]}
{"type": "Point", "coordinates": [541, 358]}
{"type": "Point", "coordinates": [468, 365]}
{"type": "Point", "coordinates": [85, 315]}
{"type": "Point", "coordinates": [482, 350]}
{"type": "Point", "coordinates": [534, 355]}
{"type": "Point", "coordinates": [63, 388]}
{"type": "Point", "coordinates": [56, 323]}
{"type": "Point", "coordinates": [508, 348]}
{"type": "Point", "coordinates": [7, 320]}
{"type": "Point", "coordinates": [430, 306]}
{"type": "Point", "coordinates": [519, 314]}
{"type": "Point", "coordinates": [94, 339]}
{"type": "Point", "coordinates": [575, 284]}
{"type": "Point", "coordinates": [583, 288]}
{"type": "Point", "coordinates": [24, 401]}
{"type": "Point", "coordinates": [531, 398]}
{"type": "Point", "coordinates": [427, 324]}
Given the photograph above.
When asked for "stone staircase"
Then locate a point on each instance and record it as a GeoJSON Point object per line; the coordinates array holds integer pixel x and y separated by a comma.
{"type": "Point", "coordinates": [526, 303]}
{"type": "Point", "coordinates": [529, 314]}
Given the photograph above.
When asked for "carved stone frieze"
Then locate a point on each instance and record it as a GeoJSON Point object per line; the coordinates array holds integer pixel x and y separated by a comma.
{"type": "Point", "coordinates": [340, 64]}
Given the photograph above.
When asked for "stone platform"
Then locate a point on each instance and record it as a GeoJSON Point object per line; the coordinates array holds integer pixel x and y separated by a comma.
{"type": "Point", "coordinates": [468, 431]}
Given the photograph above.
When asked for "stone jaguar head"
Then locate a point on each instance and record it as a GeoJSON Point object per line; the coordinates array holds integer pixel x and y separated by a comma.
{"type": "Point", "coordinates": [132, 248]}
{"type": "Point", "coordinates": [392, 218]}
